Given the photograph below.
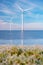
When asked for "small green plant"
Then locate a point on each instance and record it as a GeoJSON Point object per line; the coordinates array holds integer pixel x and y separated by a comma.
{"type": "Point", "coordinates": [22, 63]}
{"type": "Point", "coordinates": [19, 52]}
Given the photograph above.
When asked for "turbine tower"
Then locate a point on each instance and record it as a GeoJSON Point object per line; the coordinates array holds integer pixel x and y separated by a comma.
{"type": "Point", "coordinates": [10, 28]}
{"type": "Point", "coordinates": [22, 17]}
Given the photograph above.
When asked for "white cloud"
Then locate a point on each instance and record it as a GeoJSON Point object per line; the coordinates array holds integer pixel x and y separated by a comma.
{"type": "Point", "coordinates": [33, 26]}
{"type": "Point", "coordinates": [27, 26]}
{"type": "Point", "coordinates": [1, 21]}
{"type": "Point", "coordinates": [9, 26]}
{"type": "Point", "coordinates": [5, 9]}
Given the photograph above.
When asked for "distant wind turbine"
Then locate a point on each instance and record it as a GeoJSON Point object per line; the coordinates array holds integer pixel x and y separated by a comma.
{"type": "Point", "coordinates": [10, 28]}
{"type": "Point", "coordinates": [22, 20]}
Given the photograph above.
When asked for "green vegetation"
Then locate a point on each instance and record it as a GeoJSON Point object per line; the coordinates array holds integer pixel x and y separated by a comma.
{"type": "Point", "coordinates": [21, 56]}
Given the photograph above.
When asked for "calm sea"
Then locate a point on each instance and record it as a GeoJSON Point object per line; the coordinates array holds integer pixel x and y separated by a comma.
{"type": "Point", "coordinates": [15, 36]}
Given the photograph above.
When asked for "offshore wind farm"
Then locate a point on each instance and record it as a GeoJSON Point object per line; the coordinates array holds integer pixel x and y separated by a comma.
{"type": "Point", "coordinates": [21, 22]}
{"type": "Point", "coordinates": [21, 32]}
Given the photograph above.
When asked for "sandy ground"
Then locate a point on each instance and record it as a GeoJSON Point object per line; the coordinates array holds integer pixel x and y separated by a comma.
{"type": "Point", "coordinates": [21, 46]}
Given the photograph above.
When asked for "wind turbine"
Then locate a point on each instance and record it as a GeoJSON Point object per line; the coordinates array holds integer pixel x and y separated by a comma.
{"type": "Point", "coordinates": [10, 27]}
{"type": "Point", "coordinates": [22, 17]}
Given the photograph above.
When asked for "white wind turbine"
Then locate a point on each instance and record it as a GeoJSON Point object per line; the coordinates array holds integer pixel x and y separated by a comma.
{"type": "Point", "coordinates": [10, 27]}
{"type": "Point", "coordinates": [22, 19]}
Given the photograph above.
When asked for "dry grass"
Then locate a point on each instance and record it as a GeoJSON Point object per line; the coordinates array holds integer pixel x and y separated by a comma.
{"type": "Point", "coordinates": [21, 55]}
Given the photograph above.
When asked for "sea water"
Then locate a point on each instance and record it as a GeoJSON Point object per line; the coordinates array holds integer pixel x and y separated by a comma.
{"type": "Point", "coordinates": [30, 37]}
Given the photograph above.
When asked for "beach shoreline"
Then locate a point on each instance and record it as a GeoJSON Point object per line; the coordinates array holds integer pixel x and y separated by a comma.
{"type": "Point", "coordinates": [22, 46]}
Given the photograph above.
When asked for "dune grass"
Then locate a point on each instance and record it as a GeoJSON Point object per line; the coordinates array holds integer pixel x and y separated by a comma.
{"type": "Point", "coordinates": [21, 55]}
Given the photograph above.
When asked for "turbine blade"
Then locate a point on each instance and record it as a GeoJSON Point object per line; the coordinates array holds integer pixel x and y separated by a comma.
{"type": "Point", "coordinates": [19, 7]}
{"type": "Point", "coordinates": [28, 9]}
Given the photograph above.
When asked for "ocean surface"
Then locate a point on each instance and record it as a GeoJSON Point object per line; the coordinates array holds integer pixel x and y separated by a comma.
{"type": "Point", "coordinates": [29, 37]}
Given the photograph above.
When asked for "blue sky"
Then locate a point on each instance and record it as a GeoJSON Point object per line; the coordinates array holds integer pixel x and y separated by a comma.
{"type": "Point", "coordinates": [9, 12]}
